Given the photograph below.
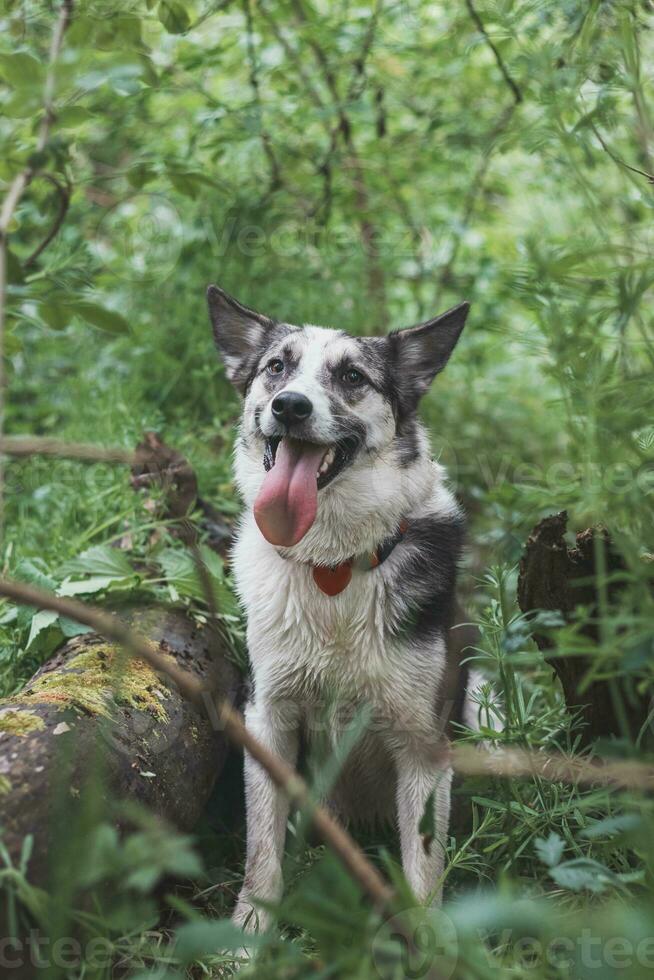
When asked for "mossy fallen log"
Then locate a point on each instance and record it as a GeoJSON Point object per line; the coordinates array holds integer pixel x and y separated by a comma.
{"type": "Point", "coordinates": [92, 708]}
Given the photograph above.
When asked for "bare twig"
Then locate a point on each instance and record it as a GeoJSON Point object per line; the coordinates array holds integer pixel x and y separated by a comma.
{"type": "Point", "coordinates": [616, 159]}
{"type": "Point", "coordinates": [515, 763]}
{"type": "Point", "coordinates": [64, 203]}
{"type": "Point", "coordinates": [84, 452]}
{"type": "Point", "coordinates": [16, 191]}
{"type": "Point", "coordinates": [515, 90]}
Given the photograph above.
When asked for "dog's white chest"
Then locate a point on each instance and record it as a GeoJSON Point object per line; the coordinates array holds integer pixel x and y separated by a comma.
{"type": "Point", "coordinates": [303, 639]}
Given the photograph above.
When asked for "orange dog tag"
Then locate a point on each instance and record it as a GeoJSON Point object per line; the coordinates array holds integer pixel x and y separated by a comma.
{"type": "Point", "coordinates": [331, 581]}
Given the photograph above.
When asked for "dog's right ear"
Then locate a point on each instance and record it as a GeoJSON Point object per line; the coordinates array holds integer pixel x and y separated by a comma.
{"type": "Point", "coordinates": [241, 335]}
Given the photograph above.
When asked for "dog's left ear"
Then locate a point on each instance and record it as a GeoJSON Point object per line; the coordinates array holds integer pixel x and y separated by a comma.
{"type": "Point", "coordinates": [420, 352]}
{"type": "Point", "coordinates": [241, 335]}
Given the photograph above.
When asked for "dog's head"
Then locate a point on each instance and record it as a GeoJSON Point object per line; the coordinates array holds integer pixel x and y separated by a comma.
{"type": "Point", "coordinates": [321, 404]}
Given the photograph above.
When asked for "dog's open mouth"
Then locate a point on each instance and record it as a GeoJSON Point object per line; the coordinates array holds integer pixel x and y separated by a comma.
{"type": "Point", "coordinates": [287, 502]}
{"type": "Point", "coordinates": [335, 458]}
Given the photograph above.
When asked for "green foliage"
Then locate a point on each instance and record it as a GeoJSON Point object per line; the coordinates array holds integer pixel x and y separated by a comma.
{"type": "Point", "coordinates": [365, 167]}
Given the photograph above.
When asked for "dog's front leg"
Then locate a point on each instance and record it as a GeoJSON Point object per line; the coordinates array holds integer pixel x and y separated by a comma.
{"type": "Point", "coordinates": [423, 860]}
{"type": "Point", "coordinates": [276, 726]}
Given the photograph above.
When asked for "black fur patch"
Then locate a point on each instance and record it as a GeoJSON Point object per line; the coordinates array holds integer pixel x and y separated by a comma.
{"type": "Point", "coordinates": [407, 443]}
{"type": "Point", "coordinates": [429, 573]}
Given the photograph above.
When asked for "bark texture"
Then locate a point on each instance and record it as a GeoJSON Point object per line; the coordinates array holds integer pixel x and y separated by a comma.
{"type": "Point", "coordinates": [556, 577]}
{"type": "Point", "coordinates": [90, 709]}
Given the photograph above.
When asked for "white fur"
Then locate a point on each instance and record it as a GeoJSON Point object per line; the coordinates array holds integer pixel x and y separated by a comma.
{"type": "Point", "coordinates": [306, 647]}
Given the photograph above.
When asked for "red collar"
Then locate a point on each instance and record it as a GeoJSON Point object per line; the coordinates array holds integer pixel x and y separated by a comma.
{"type": "Point", "coordinates": [332, 580]}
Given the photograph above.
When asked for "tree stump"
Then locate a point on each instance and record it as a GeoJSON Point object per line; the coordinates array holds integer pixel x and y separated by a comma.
{"type": "Point", "coordinates": [556, 577]}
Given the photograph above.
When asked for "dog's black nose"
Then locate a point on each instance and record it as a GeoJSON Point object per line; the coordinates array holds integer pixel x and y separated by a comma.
{"type": "Point", "coordinates": [291, 406]}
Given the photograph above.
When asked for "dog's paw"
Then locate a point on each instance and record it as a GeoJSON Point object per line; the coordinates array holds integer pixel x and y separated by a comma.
{"type": "Point", "coordinates": [253, 921]}
{"type": "Point", "coordinates": [251, 917]}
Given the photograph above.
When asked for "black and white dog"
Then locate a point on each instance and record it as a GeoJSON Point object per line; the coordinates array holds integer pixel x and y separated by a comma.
{"type": "Point", "coordinates": [345, 561]}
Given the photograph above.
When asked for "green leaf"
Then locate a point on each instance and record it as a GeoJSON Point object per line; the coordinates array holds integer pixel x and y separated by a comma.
{"type": "Point", "coordinates": [613, 826]}
{"type": "Point", "coordinates": [157, 973]}
{"type": "Point", "coordinates": [101, 560]}
{"type": "Point", "coordinates": [72, 116]}
{"type": "Point", "coordinates": [15, 274]}
{"type": "Point", "coordinates": [29, 571]}
{"type": "Point", "coordinates": [179, 569]}
{"type": "Point", "coordinates": [174, 16]}
{"type": "Point", "coordinates": [71, 628]}
{"type": "Point", "coordinates": [8, 615]}
{"type": "Point", "coordinates": [102, 568]}
{"type": "Point", "coordinates": [196, 940]}
{"type": "Point", "coordinates": [41, 620]}
{"type": "Point", "coordinates": [55, 314]}
{"type": "Point", "coordinates": [550, 850]}
{"type": "Point", "coordinates": [181, 575]}
{"type": "Point", "coordinates": [88, 586]}
{"type": "Point", "coordinates": [140, 174]}
{"type": "Point", "coordinates": [584, 874]}
{"type": "Point", "coordinates": [99, 316]}
{"type": "Point", "coordinates": [22, 70]}
{"type": "Point", "coordinates": [23, 104]}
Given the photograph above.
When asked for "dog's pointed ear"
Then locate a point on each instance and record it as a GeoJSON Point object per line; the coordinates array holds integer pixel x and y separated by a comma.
{"type": "Point", "coordinates": [420, 352]}
{"type": "Point", "coordinates": [241, 335]}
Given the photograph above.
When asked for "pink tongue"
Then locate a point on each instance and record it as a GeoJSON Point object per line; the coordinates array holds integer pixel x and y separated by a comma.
{"type": "Point", "coordinates": [287, 502]}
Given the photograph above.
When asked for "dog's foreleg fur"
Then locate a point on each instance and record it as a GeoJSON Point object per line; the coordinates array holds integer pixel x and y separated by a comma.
{"type": "Point", "coordinates": [267, 810]}
{"type": "Point", "coordinates": [422, 860]}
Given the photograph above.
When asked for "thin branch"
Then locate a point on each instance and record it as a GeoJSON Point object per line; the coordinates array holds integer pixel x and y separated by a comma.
{"type": "Point", "coordinates": [275, 175]}
{"type": "Point", "coordinates": [84, 452]}
{"type": "Point", "coordinates": [14, 194]}
{"type": "Point", "coordinates": [474, 191]}
{"type": "Point", "coordinates": [292, 55]}
{"type": "Point", "coordinates": [515, 90]}
{"type": "Point", "coordinates": [515, 763]}
{"type": "Point", "coordinates": [368, 231]}
{"type": "Point", "coordinates": [358, 80]}
{"type": "Point", "coordinates": [616, 159]}
{"type": "Point", "coordinates": [64, 203]}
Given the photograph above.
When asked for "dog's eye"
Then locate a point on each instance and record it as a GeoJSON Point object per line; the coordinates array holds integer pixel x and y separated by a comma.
{"type": "Point", "coordinates": [352, 377]}
{"type": "Point", "coordinates": [276, 366]}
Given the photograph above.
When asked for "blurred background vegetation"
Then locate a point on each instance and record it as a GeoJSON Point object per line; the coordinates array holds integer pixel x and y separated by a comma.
{"type": "Point", "coordinates": [366, 167]}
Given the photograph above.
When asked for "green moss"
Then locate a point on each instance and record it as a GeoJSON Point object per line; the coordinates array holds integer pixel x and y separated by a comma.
{"type": "Point", "coordinates": [5, 785]}
{"type": "Point", "coordinates": [97, 681]}
{"type": "Point", "coordinates": [20, 722]}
